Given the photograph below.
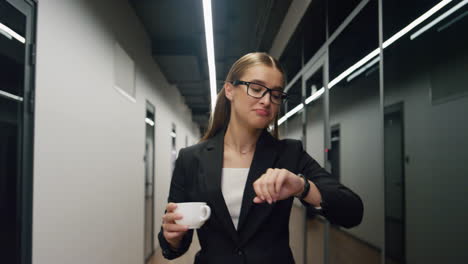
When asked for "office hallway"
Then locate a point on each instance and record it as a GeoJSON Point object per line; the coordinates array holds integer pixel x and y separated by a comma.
{"type": "Point", "coordinates": [98, 99]}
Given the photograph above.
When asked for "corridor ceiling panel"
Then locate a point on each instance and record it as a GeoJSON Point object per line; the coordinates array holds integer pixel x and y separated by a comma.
{"type": "Point", "coordinates": [176, 29]}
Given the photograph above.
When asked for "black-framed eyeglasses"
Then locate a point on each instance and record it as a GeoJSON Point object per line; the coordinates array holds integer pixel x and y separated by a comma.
{"type": "Point", "coordinates": [257, 91]}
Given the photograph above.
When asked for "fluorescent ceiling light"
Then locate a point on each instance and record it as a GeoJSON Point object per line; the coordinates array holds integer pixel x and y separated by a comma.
{"type": "Point", "coordinates": [149, 121]}
{"type": "Point", "coordinates": [281, 120]}
{"type": "Point", "coordinates": [4, 33]}
{"type": "Point", "coordinates": [437, 20]}
{"type": "Point", "coordinates": [415, 23]}
{"type": "Point", "coordinates": [353, 68]}
{"type": "Point", "coordinates": [11, 96]}
{"type": "Point", "coordinates": [374, 53]}
{"type": "Point", "coordinates": [453, 21]}
{"type": "Point", "coordinates": [363, 69]}
{"type": "Point", "coordinates": [210, 50]}
{"type": "Point", "coordinates": [315, 95]}
{"type": "Point", "coordinates": [4, 29]}
{"type": "Point", "coordinates": [291, 113]}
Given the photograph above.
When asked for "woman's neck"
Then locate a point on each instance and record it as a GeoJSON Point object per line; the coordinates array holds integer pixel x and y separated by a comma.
{"type": "Point", "coordinates": [241, 139]}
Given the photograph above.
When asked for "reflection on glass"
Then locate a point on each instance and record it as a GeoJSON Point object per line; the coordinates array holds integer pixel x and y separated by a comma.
{"type": "Point", "coordinates": [12, 50]}
{"type": "Point", "coordinates": [356, 153]}
{"type": "Point", "coordinates": [426, 143]}
{"type": "Point", "coordinates": [314, 23]}
{"type": "Point", "coordinates": [291, 59]}
{"type": "Point", "coordinates": [338, 11]}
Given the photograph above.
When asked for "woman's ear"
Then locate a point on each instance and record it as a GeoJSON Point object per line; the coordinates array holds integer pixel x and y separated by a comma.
{"type": "Point", "coordinates": [229, 90]}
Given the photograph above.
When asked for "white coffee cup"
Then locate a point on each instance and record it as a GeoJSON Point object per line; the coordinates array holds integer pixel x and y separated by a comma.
{"type": "Point", "coordinates": [194, 215]}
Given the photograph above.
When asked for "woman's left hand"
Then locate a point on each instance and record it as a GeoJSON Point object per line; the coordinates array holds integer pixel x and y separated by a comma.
{"type": "Point", "coordinates": [277, 184]}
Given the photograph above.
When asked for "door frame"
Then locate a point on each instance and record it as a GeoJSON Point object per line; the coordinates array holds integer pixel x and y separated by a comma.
{"type": "Point", "coordinates": [25, 167]}
{"type": "Point", "coordinates": [390, 109]}
{"type": "Point", "coordinates": [149, 107]}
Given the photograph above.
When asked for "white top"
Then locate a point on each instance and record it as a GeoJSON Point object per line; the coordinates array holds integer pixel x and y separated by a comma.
{"type": "Point", "coordinates": [232, 186]}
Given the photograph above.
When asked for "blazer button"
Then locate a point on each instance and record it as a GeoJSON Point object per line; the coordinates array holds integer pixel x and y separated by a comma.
{"type": "Point", "coordinates": [240, 252]}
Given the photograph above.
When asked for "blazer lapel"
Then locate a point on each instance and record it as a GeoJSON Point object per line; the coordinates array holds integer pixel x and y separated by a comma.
{"type": "Point", "coordinates": [264, 158]}
{"type": "Point", "coordinates": [211, 162]}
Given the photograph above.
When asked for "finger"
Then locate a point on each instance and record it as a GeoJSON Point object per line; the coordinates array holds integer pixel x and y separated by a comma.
{"type": "Point", "coordinates": [257, 187]}
{"type": "Point", "coordinates": [174, 228]}
{"type": "Point", "coordinates": [279, 182]}
{"type": "Point", "coordinates": [171, 217]}
{"type": "Point", "coordinates": [173, 235]}
{"type": "Point", "coordinates": [170, 207]}
{"type": "Point", "coordinates": [265, 193]}
{"type": "Point", "coordinates": [270, 183]}
{"type": "Point", "coordinates": [258, 200]}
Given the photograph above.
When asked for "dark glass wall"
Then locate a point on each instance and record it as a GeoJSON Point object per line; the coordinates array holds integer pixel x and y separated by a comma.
{"type": "Point", "coordinates": [426, 142]}
{"type": "Point", "coordinates": [391, 126]}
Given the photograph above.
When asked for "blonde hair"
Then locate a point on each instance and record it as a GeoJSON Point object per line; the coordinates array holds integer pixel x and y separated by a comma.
{"type": "Point", "coordinates": [221, 115]}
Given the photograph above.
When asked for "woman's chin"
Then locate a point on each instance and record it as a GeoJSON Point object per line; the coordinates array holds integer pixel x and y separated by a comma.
{"type": "Point", "coordinates": [260, 125]}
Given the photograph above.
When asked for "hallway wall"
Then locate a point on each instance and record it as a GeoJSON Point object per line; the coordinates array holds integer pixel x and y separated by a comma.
{"type": "Point", "coordinates": [89, 139]}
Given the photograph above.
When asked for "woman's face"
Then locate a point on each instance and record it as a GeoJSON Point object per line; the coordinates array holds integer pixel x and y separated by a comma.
{"type": "Point", "coordinates": [253, 112]}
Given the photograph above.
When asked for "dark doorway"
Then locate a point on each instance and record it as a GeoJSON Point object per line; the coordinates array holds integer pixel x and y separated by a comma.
{"type": "Point", "coordinates": [394, 184]}
{"type": "Point", "coordinates": [16, 129]}
{"type": "Point", "coordinates": [149, 181]}
{"type": "Point", "coordinates": [334, 153]}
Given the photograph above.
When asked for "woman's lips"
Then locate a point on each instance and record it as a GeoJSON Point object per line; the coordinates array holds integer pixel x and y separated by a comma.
{"type": "Point", "coordinates": [262, 112]}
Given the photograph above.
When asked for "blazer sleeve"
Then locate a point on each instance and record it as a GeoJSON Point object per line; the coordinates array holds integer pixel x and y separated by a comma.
{"type": "Point", "coordinates": [340, 205]}
{"type": "Point", "coordinates": [176, 195]}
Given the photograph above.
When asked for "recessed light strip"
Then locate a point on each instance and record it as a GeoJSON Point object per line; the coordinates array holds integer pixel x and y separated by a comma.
{"type": "Point", "coordinates": [12, 33]}
{"type": "Point", "coordinates": [353, 68]}
{"type": "Point", "coordinates": [315, 95]}
{"type": "Point", "coordinates": [11, 96]}
{"type": "Point", "coordinates": [363, 69]}
{"type": "Point", "coordinates": [210, 50]}
{"type": "Point", "coordinates": [437, 20]}
{"type": "Point", "coordinates": [415, 23]}
{"type": "Point", "coordinates": [371, 55]}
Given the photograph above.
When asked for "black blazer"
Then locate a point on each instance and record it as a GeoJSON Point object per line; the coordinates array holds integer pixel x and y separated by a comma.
{"type": "Point", "coordinates": [263, 230]}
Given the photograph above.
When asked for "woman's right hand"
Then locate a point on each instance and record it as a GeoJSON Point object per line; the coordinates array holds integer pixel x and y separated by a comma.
{"type": "Point", "coordinates": [173, 233]}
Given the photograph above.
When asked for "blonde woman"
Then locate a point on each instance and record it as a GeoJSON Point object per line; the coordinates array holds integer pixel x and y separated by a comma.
{"type": "Point", "coordinates": [249, 177]}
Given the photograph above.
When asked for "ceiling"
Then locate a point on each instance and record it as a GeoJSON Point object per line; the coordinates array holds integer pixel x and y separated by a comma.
{"type": "Point", "coordinates": [176, 29]}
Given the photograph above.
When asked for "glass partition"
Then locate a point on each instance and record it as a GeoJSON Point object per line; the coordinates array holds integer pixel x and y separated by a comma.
{"type": "Point", "coordinates": [426, 142]}
{"type": "Point", "coordinates": [16, 128]}
{"type": "Point", "coordinates": [356, 149]}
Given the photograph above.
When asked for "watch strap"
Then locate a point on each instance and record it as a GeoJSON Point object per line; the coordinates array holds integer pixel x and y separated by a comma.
{"type": "Point", "coordinates": [306, 187]}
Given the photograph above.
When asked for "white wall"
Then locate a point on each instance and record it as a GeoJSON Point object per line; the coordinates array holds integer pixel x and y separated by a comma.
{"type": "Point", "coordinates": [89, 139]}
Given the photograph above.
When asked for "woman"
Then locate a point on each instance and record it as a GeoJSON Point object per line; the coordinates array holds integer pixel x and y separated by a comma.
{"type": "Point", "coordinates": [248, 177]}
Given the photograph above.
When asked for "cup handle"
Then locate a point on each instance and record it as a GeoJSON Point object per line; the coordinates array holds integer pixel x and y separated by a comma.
{"type": "Point", "coordinates": [207, 214]}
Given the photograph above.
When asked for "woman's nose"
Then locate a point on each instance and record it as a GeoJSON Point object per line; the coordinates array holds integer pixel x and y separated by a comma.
{"type": "Point", "coordinates": [266, 100]}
